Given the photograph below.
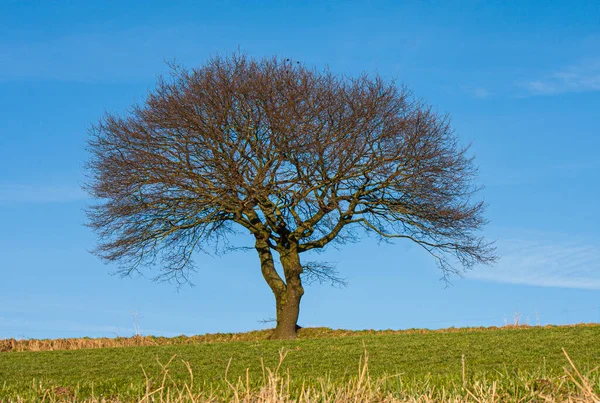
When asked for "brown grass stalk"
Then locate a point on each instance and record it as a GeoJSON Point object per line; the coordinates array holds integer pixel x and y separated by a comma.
{"type": "Point", "coordinates": [276, 388]}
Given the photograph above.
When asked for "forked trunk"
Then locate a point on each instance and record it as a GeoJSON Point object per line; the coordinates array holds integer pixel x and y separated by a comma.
{"type": "Point", "coordinates": [288, 302]}
{"type": "Point", "coordinates": [287, 293]}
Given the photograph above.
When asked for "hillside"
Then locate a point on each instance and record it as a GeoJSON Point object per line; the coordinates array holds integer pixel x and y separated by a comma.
{"type": "Point", "coordinates": [520, 356]}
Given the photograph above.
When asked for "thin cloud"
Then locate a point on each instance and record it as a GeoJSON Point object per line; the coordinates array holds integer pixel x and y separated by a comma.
{"type": "Point", "coordinates": [545, 263]}
{"type": "Point", "coordinates": [17, 193]}
{"type": "Point", "coordinates": [583, 77]}
{"type": "Point", "coordinates": [481, 93]}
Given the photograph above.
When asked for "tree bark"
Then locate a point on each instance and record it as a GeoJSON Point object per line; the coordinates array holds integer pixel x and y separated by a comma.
{"type": "Point", "coordinates": [287, 294]}
{"type": "Point", "coordinates": [288, 310]}
{"type": "Point", "coordinates": [288, 302]}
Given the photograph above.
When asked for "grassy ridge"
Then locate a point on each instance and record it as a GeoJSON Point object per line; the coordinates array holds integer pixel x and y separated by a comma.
{"type": "Point", "coordinates": [435, 357]}
{"type": "Point", "coordinates": [10, 345]}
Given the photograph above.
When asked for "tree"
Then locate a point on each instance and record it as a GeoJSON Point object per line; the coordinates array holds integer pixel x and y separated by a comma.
{"type": "Point", "coordinates": [295, 157]}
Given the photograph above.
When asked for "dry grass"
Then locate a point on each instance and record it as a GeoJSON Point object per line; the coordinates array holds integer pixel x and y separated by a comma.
{"type": "Point", "coordinates": [7, 345]}
{"type": "Point", "coordinates": [276, 387]}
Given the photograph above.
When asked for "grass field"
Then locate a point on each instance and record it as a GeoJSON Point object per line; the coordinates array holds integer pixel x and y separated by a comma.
{"type": "Point", "coordinates": [517, 363]}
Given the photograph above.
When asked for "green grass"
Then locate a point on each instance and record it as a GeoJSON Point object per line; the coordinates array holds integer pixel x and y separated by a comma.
{"type": "Point", "coordinates": [436, 358]}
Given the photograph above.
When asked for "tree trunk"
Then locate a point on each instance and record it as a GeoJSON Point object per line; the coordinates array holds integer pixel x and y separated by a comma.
{"type": "Point", "coordinates": [288, 309]}
{"type": "Point", "coordinates": [288, 293]}
{"type": "Point", "coordinates": [288, 302]}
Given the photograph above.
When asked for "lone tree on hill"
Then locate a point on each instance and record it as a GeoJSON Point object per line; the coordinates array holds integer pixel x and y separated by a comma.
{"type": "Point", "coordinates": [299, 158]}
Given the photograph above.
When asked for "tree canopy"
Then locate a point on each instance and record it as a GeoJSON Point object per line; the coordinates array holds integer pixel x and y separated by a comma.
{"type": "Point", "coordinates": [298, 158]}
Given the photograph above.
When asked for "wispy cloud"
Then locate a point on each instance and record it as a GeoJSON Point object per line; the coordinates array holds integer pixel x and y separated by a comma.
{"type": "Point", "coordinates": [582, 77]}
{"type": "Point", "coordinates": [18, 193]}
{"type": "Point", "coordinates": [481, 92]}
{"type": "Point", "coordinates": [545, 263]}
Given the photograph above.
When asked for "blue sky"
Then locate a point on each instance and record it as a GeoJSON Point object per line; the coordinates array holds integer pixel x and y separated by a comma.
{"type": "Point", "coordinates": [520, 79]}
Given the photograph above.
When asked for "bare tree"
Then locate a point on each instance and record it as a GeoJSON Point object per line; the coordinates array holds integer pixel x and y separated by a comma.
{"type": "Point", "coordinates": [298, 158]}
